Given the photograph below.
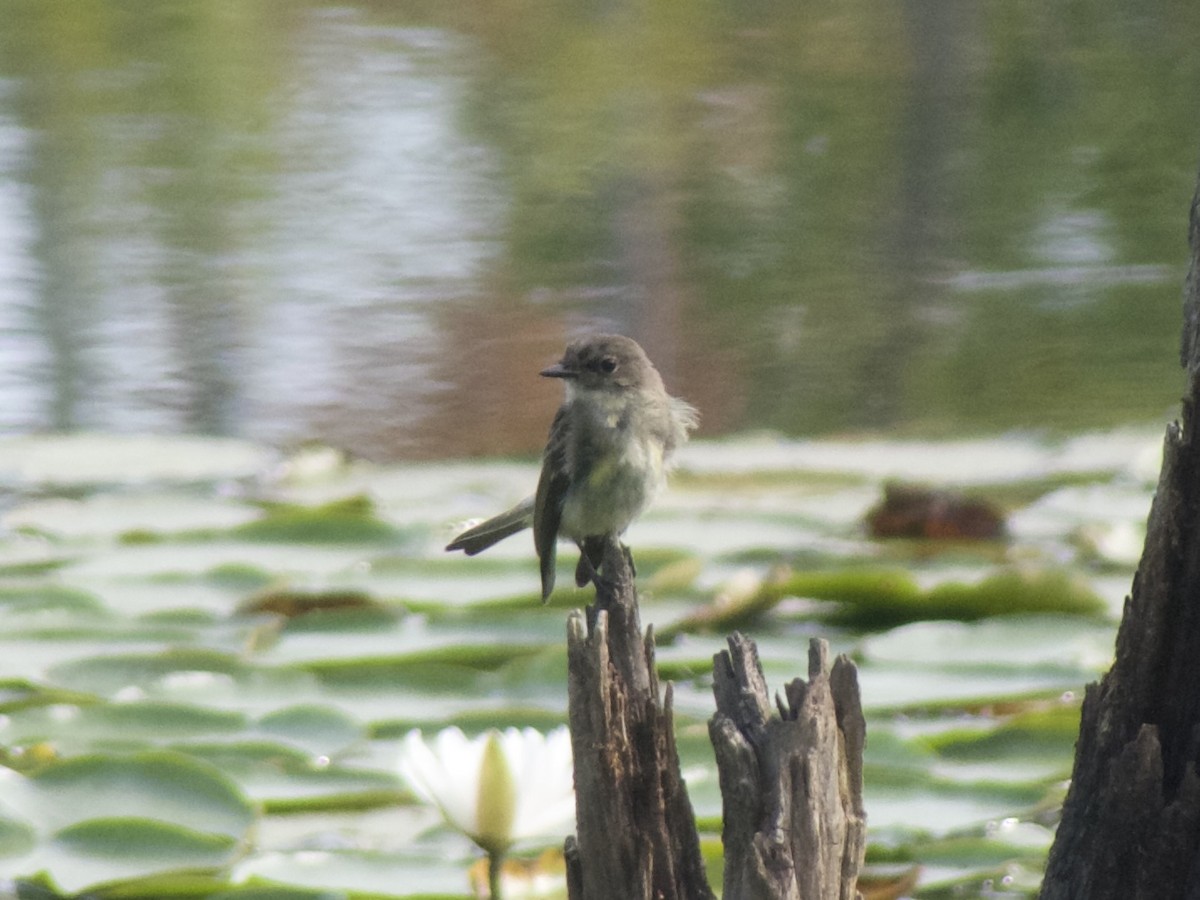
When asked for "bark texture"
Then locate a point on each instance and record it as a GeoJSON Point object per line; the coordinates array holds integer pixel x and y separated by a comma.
{"type": "Point", "coordinates": [794, 825]}
{"type": "Point", "coordinates": [1131, 822]}
{"type": "Point", "coordinates": [636, 833]}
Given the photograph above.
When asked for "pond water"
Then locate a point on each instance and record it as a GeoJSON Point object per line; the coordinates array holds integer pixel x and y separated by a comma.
{"type": "Point", "coordinates": [370, 224]}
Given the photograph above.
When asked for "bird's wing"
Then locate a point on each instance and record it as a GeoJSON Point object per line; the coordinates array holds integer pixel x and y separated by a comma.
{"type": "Point", "coordinates": [551, 494]}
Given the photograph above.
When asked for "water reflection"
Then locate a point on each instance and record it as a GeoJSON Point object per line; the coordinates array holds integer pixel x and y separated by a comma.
{"type": "Point", "coordinates": [370, 224]}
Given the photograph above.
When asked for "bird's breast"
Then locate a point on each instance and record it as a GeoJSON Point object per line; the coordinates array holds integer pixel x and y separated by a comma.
{"type": "Point", "coordinates": [614, 487]}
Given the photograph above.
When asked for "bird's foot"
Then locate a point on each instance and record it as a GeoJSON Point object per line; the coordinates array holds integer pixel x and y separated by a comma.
{"type": "Point", "coordinates": [586, 572]}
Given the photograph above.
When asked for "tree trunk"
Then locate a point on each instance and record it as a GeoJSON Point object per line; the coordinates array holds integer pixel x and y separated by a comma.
{"type": "Point", "coordinates": [1131, 822]}
{"type": "Point", "coordinates": [636, 834]}
{"type": "Point", "coordinates": [795, 828]}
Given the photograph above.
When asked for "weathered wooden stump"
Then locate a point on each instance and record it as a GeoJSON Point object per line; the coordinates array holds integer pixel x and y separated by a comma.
{"type": "Point", "coordinates": [792, 784]}
{"type": "Point", "coordinates": [636, 833]}
{"type": "Point", "coordinates": [795, 828]}
{"type": "Point", "coordinates": [1130, 827]}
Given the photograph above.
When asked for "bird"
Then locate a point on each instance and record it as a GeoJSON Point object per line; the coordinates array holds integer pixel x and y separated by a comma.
{"type": "Point", "coordinates": [611, 445]}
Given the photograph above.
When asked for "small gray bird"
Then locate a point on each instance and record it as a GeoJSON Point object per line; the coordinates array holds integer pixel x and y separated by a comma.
{"type": "Point", "coordinates": [609, 451]}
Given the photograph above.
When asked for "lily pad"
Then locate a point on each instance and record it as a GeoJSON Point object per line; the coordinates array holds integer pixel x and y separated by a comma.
{"type": "Point", "coordinates": [189, 679]}
{"type": "Point", "coordinates": [16, 838]}
{"type": "Point", "coordinates": [275, 892]}
{"type": "Point", "coordinates": [1049, 733]}
{"type": "Point", "coordinates": [87, 460]}
{"type": "Point", "coordinates": [209, 559]}
{"type": "Point", "coordinates": [1003, 459]}
{"type": "Point", "coordinates": [285, 779]}
{"type": "Point", "coordinates": [111, 515]}
{"type": "Point", "coordinates": [443, 660]}
{"type": "Point", "coordinates": [880, 598]}
{"type": "Point", "coordinates": [347, 521]}
{"type": "Point", "coordinates": [430, 874]}
{"type": "Point", "coordinates": [74, 729]}
{"type": "Point", "coordinates": [132, 838]}
{"type": "Point", "coordinates": [1020, 642]}
{"type": "Point", "coordinates": [111, 673]}
{"type": "Point", "coordinates": [321, 729]}
{"type": "Point", "coordinates": [937, 808]}
{"type": "Point", "coordinates": [36, 596]}
{"type": "Point", "coordinates": [154, 785]}
{"type": "Point", "coordinates": [85, 857]}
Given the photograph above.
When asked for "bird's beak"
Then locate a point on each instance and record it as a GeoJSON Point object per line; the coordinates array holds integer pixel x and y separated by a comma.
{"type": "Point", "coordinates": [558, 370]}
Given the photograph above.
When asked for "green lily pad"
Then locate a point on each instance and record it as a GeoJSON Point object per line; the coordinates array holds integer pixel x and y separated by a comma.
{"type": "Point", "coordinates": [1015, 878]}
{"type": "Point", "coordinates": [192, 678]}
{"type": "Point", "coordinates": [915, 690]}
{"type": "Point", "coordinates": [1004, 459]}
{"type": "Point", "coordinates": [16, 838]}
{"type": "Point", "coordinates": [866, 598]}
{"type": "Point", "coordinates": [321, 729]}
{"type": "Point", "coordinates": [275, 892]}
{"type": "Point", "coordinates": [26, 556]}
{"type": "Point", "coordinates": [164, 562]}
{"type": "Point", "coordinates": [72, 729]}
{"type": "Point", "coordinates": [937, 808]}
{"type": "Point", "coordinates": [351, 520]}
{"type": "Point", "coordinates": [152, 720]}
{"type": "Point", "coordinates": [348, 638]}
{"type": "Point", "coordinates": [451, 581]}
{"type": "Point", "coordinates": [133, 838]}
{"type": "Point", "coordinates": [244, 577]}
{"type": "Point", "coordinates": [997, 843]}
{"type": "Point", "coordinates": [427, 874]}
{"type": "Point", "coordinates": [39, 597]}
{"type": "Point", "coordinates": [1025, 642]}
{"type": "Point", "coordinates": [402, 668]}
{"type": "Point", "coordinates": [155, 785]}
{"type": "Point", "coordinates": [108, 674]}
{"type": "Point", "coordinates": [107, 819]}
{"type": "Point", "coordinates": [153, 514]}
{"type": "Point", "coordinates": [298, 790]}
{"type": "Point", "coordinates": [85, 858]}
{"type": "Point", "coordinates": [473, 721]}
{"type": "Point", "coordinates": [85, 460]}
{"type": "Point", "coordinates": [17, 694]}
{"type": "Point", "coordinates": [111, 632]}
{"type": "Point", "coordinates": [24, 656]}
{"type": "Point", "coordinates": [286, 779]}
{"type": "Point", "coordinates": [1046, 733]}
{"type": "Point", "coordinates": [171, 884]}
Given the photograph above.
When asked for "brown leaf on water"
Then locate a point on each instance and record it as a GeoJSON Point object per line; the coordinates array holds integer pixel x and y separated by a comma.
{"type": "Point", "coordinates": [916, 511]}
{"type": "Point", "coordinates": [890, 886]}
{"type": "Point", "coordinates": [291, 603]}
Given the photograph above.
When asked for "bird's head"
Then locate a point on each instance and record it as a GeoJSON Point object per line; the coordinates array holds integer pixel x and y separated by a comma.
{"type": "Point", "coordinates": [606, 362]}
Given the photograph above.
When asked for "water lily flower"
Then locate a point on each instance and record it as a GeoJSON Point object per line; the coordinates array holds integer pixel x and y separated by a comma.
{"type": "Point", "coordinates": [498, 788]}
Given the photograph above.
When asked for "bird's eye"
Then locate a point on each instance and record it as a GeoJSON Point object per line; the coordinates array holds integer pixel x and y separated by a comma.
{"type": "Point", "coordinates": [608, 365]}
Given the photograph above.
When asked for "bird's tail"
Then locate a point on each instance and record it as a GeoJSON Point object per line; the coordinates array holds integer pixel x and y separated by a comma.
{"type": "Point", "coordinates": [477, 539]}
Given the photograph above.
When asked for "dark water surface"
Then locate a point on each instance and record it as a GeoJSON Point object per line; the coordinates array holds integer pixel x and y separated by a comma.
{"type": "Point", "coordinates": [371, 223]}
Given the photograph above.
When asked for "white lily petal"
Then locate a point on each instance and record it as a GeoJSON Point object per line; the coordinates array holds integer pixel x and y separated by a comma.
{"type": "Point", "coordinates": [546, 799]}
{"type": "Point", "coordinates": [417, 765]}
{"type": "Point", "coordinates": [447, 776]}
{"type": "Point", "coordinates": [500, 787]}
